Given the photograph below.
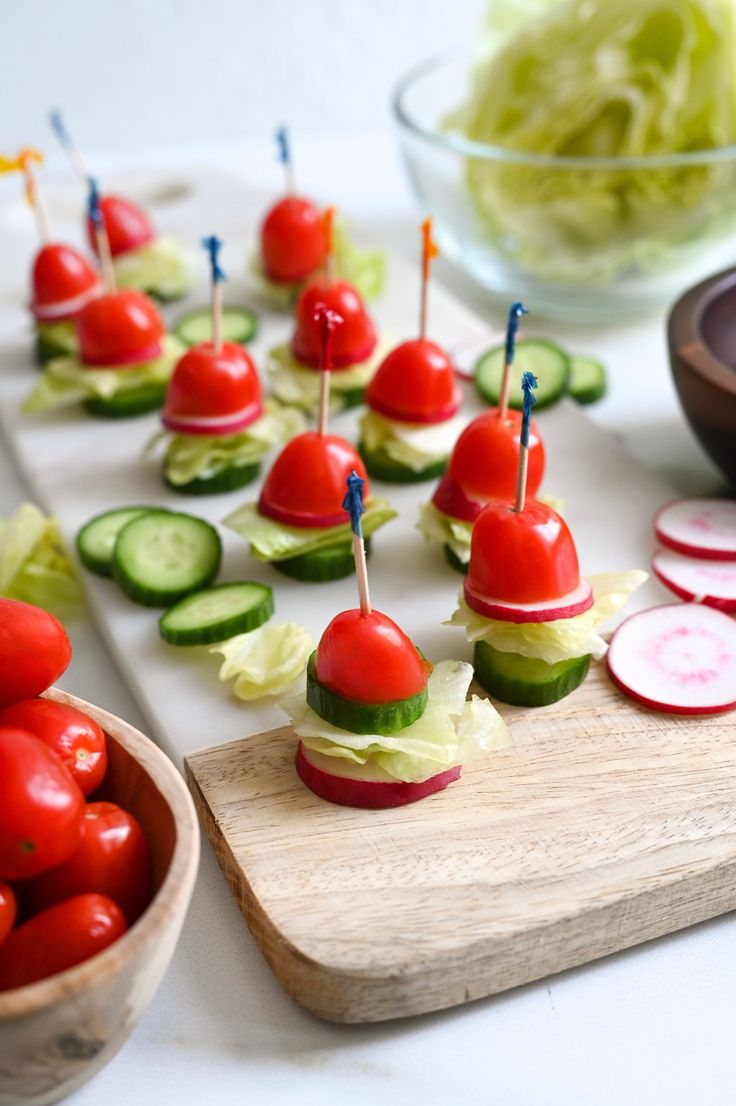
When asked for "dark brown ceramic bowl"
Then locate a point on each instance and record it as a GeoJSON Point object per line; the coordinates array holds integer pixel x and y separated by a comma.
{"type": "Point", "coordinates": [701, 335]}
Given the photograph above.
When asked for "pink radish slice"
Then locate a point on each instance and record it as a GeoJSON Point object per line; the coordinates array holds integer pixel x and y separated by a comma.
{"type": "Point", "coordinates": [214, 425]}
{"type": "Point", "coordinates": [360, 791]}
{"type": "Point", "coordinates": [567, 606]}
{"type": "Point", "coordinates": [699, 527]}
{"type": "Point", "coordinates": [692, 578]}
{"type": "Point", "coordinates": [680, 658]}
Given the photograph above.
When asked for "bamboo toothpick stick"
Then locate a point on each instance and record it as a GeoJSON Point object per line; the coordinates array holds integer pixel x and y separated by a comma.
{"type": "Point", "coordinates": [353, 504]}
{"type": "Point", "coordinates": [68, 145]}
{"type": "Point", "coordinates": [429, 251]}
{"type": "Point", "coordinates": [328, 321]}
{"type": "Point", "coordinates": [515, 312]}
{"type": "Point", "coordinates": [528, 383]}
{"type": "Point", "coordinates": [101, 240]}
{"type": "Point", "coordinates": [213, 245]}
{"type": "Point", "coordinates": [24, 162]}
{"type": "Point", "coordinates": [284, 154]}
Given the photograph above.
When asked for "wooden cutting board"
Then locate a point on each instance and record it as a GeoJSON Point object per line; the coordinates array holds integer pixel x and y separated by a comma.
{"type": "Point", "coordinates": [604, 826]}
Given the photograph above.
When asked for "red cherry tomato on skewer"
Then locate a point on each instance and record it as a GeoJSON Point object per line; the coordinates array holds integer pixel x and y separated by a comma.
{"type": "Point", "coordinates": [353, 341]}
{"type": "Point", "coordinates": [8, 909]}
{"type": "Point", "coordinates": [63, 281]}
{"type": "Point", "coordinates": [34, 651]}
{"type": "Point", "coordinates": [127, 225]}
{"type": "Point", "coordinates": [306, 484]}
{"type": "Point", "coordinates": [74, 737]}
{"type": "Point", "coordinates": [58, 939]}
{"type": "Point", "coordinates": [415, 383]}
{"type": "Point", "coordinates": [369, 659]}
{"type": "Point", "coordinates": [120, 328]}
{"type": "Point", "coordinates": [213, 393]}
{"type": "Point", "coordinates": [293, 242]}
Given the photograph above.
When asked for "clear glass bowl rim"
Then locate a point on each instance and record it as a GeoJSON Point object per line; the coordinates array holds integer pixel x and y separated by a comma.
{"type": "Point", "coordinates": [468, 148]}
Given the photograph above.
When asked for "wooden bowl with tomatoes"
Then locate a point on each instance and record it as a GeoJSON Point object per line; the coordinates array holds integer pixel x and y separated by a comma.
{"type": "Point", "coordinates": [58, 1032]}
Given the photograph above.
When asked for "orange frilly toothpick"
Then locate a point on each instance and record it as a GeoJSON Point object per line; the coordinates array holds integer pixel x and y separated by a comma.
{"type": "Point", "coordinates": [328, 227]}
{"type": "Point", "coordinates": [24, 162]}
{"type": "Point", "coordinates": [429, 251]}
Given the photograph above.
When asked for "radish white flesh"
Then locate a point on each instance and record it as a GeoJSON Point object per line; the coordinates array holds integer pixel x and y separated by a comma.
{"type": "Point", "coordinates": [699, 527]}
{"type": "Point", "coordinates": [567, 606]}
{"type": "Point", "coordinates": [679, 658]}
{"type": "Point", "coordinates": [692, 578]}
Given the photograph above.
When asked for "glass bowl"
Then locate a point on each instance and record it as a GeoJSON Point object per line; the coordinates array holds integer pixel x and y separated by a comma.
{"type": "Point", "coordinates": [649, 227]}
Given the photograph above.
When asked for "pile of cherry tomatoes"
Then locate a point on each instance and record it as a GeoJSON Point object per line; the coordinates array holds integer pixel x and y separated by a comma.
{"type": "Point", "coordinates": [75, 871]}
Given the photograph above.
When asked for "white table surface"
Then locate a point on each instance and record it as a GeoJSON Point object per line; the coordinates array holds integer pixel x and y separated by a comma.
{"type": "Point", "coordinates": [649, 1026]}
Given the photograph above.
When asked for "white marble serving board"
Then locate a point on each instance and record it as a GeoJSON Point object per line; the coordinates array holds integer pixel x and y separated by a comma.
{"type": "Point", "coordinates": [78, 466]}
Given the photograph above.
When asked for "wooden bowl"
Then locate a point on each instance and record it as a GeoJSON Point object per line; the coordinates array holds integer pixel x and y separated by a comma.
{"type": "Point", "coordinates": [701, 335]}
{"type": "Point", "coordinates": [55, 1034]}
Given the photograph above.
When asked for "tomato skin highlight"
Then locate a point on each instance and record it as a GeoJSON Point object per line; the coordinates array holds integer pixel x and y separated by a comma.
{"type": "Point", "coordinates": [119, 328]}
{"type": "Point", "coordinates": [75, 738]}
{"type": "Point", "coordinates": [112, 859]}
{"type": "Point", "coordinates": [34, 651]}
{"type": "Point", "coordinates": [524, 557]}
{"type": "Point", "coordinates": [293, 240]}
{"type": "Point", "coordinates": [8, 909]}
{"type": "Point", "coordinates": [369, 659]}
{"type": "Point", "coordinates": [306, 483]}
{"type": "Point", "coordinates": [41, 807]}
{"type": "Point", "coordinates": [354, 339]}
{"type": "Point", "coordinates": [416, 382]}
{"type": "Point", "coordinates": [58, 939]}
{"type": "Point", "coordinates": [127, 225]}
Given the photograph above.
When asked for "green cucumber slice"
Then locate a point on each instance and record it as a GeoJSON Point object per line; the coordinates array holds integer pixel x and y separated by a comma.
{"type": "Point", "coordinates": [96, 540]}
{"type": "Point", "coordinates": [332, 563]}
{"type": "Point", "coordinates": [124, 405]}
{"type": "Point", "coordinates": [162, 556]}
{"type": "Point", "coordinates": [379, 718]}
{"type": "Point", "coordinates": [217, 613]}
{"type": "Point", "coordinates": [587, 382]}
{"type": "Point", "coordinates": [348, 397]}
{"type": "Point", "coordinates": [47, 348]}
{"type": "Point", "coordinates": [549, 363]}
{"type": "Point", "coordinates": [524, 681]}
{"type": "Point", "coordinates": [382, 467]}
{"type": "Point", "coordinates": [452, 559]}
{"type": "Point", "coordinates": [227, 480]}
{"type": "Point", "coordinates": [239, 324]}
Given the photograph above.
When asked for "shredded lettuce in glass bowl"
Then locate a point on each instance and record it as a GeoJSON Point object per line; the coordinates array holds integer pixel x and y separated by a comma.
{"type": "Point", "coordinates": [583, 153]}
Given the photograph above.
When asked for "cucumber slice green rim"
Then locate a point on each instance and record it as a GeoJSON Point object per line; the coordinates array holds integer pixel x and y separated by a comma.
{"type": "Point", "coordinates": [587, 379]}
{"type": "Point", "coordinates": [382, 467]}
{"type": "Point", "coordinates": [217, 613]}
{"type": "Point", "coordinates": [454, 561]}
{"type": "Point", "coordinates": [548, 361]}
{"type": "Point", "coordinates": [322, 565]}
{"type": "Point", "coordinates": [162, 556]}
{"type": "Point", "coordinates": [125, 405]}
{"type": "Point", "coordinates": [378, 718]}
{"type": "Point", "coordinates": [227, 480]}
{"type": "Point", "coordinates": [525, 681]}
{"type": "Point", "coordinates": [95, 541]}
{"type": "Point", "coordinates": [239, 324]}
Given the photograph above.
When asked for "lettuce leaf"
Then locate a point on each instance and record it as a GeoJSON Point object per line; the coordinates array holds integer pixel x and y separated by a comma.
{"type": "Point", "coordinates": [450, 731]}
{"type": "Point", "coordinates": [274, 541]}
{"type": "Point", "coordinates": [66, 380]}
{"type": "Point", "coordinates": [34, 564]}
{"type": "Point", "coordinates": [62, 334]}
{"type": "Point", "coordinates": [298, 386]}
{"type": "Point", "coordinates": [162, 267]}
{"type": "Point", "coordinates": [193, 456]}
{"type": "Point", "coordinates": [265, 661]}
{"type": "Point", "coordinates": [414, 445]}
{"type": "Point", "coordinates": [562, 639]}
{"type": "Point", "coordinates": [439, 527]}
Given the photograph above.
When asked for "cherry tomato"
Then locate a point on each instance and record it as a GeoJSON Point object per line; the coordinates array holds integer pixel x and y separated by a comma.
{"type": "Point", "coordinates": [293, 242]}
{"type": "Point", "coordinates": [63, 281]}
{"type": "Point", "coordinates": [354, 340]}
{"type": "Point", "coordinates": [415, 383]}
{"type": "Point", "coordinates": [112, 859]}
{"type": "Point", "coordinates": [306, 484]}
{"type": "Point", "coordinates": [369, 659]}
{"type": "Point", "coordinates": [8, 909]}
{"type": "Point", "coordinates": [75, 738]}
{"type": "Point", "coordinates": [119, 328]}
{"type": "Point", "coordinates": [213, 385]}
{"type": "Point", "coordinates": [524, 557]}
{"type": "Point", "coordinates": [484, 464]}
{"type": "Point", "coordinates": [41, 807]}
{"type": "Point", "coordinates": [127, 225]}
{"type": "Point", "coordinates": [34, 651]}
{"type": "Point", "coordinates": [59, 938]}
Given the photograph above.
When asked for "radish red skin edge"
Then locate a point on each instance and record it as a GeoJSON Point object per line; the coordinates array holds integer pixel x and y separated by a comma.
{"type": "Point", "coordinates": [368, 794]}
{"type": "Point", "coordinates": [669, 519]}
{"type": "Point", "coordinates": [666, 565]}
{"type": "Point", "coordinates": [637, 660]}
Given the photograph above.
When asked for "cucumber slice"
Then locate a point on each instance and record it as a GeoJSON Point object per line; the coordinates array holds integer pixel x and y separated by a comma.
{"type": "Point", "coordinates": [549, 363]}
{"type": "Point", "coordinates": [124, 405]}
{"type": "Point", "coordinates": [321, 565]}
{"type": "Point", "coordinates": [454, 561]}
{"type": "Point", "coordinates": [349, 397]}
{"type": "Point", "coordinates": [239, 324]}
{"type": "Point", "coordinates": [587, 382]}
{"type": "Point", "coordinates": [96, 540]}
{"type": "Point", "coordinates": [379, 718]}
{"type": "Point", "coordinates": [227, 480]}
{"type": "Point", "coordinates": [217, 613]}
{"type": "Point", "coordinates": [163, 556]}
{"type": "Point", "coordinates": [382, 467]}
{"type": "Point", "coordinates": [524, 681]}
{"type": "Point", "coordinates": [47, 348]}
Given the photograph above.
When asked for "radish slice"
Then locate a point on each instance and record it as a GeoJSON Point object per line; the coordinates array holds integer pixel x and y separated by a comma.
{"type": "Point", "coordinates": [213, 425]}
{"type": "Point", "coordinates": [329, 780]}
{"type": "Point", "coordinates": [699, 527]}
{"type": "Point", "coordinates": [680, 658]}
{"type": "Point", "coordinates": [577, 601]}
{"type": "Point", "coordinates": [710, 582]}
